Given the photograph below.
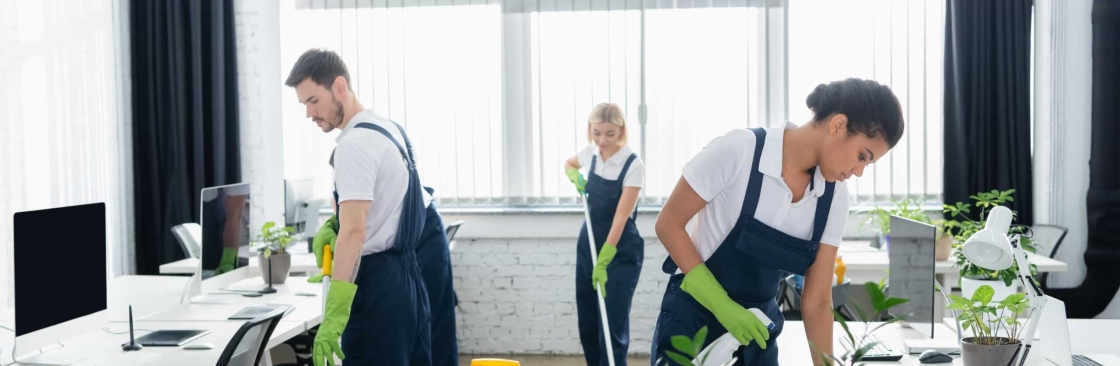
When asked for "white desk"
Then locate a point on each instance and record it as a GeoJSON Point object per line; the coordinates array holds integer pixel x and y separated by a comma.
{"type": "Point", "coordinates": [872, 266]}
{"type": "Point", "coordinates": [1094, 337]}
{"type": "Point", "coordinates": [155, 301]}
{"type": "Point", "coordinates": [301, 263]}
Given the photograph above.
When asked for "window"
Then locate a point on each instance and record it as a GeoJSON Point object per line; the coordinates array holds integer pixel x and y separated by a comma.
{"type": "Point", "coordinates": [64, 125]}
{"type": "Point", "coordinates": [436, 70]}
{"type": "Point", "coordinates": [498, 103]}
{"type": "Point", "coordinates": [897, 43]}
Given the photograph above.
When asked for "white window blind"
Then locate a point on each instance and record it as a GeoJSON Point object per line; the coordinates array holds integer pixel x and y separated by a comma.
{"type": "Point", "coordinates": [897, 43]}
{"type": "Point", "coordinates": [436, 70]}
{"type": "Point", "coordinates": [497, 104]}
{"type": "Point", "coordinates": [64, 121]}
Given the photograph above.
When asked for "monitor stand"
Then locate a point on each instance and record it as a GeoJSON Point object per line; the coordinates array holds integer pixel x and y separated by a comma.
{"type": "Point", "coordinates": [56, 354]}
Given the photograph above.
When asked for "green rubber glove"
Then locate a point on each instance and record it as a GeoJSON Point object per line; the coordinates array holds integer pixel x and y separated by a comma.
{"type": "Point", "coordinates": [327, 234]}
{"type": "Point", "coordinates": [315, 279]}
{"type": "Point", "coordinates": [577, 179]}
{"type": "Point", "coordinates": [229, 259]}
{"type": "Point", "coordinates": [599, 274]}
{"type": "Point", "coordinates": [335, 317]}
{"type": "Point", "coordinates": [741, 323]}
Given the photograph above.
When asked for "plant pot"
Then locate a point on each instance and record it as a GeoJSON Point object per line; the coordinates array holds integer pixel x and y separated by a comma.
{"type": "Point", "coordinates": [969, 286]}
{"type": "Point", "coordinates": [944, 248]}
{"type": "Point", "coordinates": [280, 265]}
{"type": "Point", "coordinates": [985, 355]}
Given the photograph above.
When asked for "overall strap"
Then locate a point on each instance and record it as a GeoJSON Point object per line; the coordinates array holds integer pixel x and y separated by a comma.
{"type": "Point", "coordinates": [824, 205]}
{"type": "Point", "coordinates": [754, 186]}
{"type": "Point", "coordinates": [404, 153]}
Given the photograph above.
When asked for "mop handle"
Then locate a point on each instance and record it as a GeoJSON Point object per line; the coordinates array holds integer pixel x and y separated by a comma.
{"type": "Point", "coordinates": [326, 273]}
{"type": "Point", "coordinates": [602, 303]}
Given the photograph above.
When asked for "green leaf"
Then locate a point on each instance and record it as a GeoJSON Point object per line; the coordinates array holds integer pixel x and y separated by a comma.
{"type": "Point", "coordinates": [957, 306]}
{"type": "Point", "coordinates": [983, 294]}
{"type": "Point", "coordinates": [1013, 299]}
{"type": "Point", "coordinates": [876, 295]}
{"type": "Point", "coordinates": [683, 344]}
{"type": "Point", "coordinates": [679, 359]}
{"type": "Point", "coordinates": [698, 341]}
{"type": "Point", "coordinates": [843, 324]}
{"type": "Point", "coordinates": [893, 301]}
{"type": "Point", "coordinates": [290, 230]}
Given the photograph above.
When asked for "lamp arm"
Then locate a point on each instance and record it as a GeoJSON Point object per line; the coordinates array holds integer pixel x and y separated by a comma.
{"type": "Point", "coordinates": [1036, 297]}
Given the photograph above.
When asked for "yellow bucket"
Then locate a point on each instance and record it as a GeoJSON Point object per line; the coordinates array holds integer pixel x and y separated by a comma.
{"type": "Point", "coordinates": [493, 362]}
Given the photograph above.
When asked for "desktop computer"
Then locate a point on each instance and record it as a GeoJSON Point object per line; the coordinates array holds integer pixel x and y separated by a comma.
{"type": "Point", "coordinates": [61, 281]}
{"type": "Point", "coordinates": [225, 219]}
{"type": "Point", "coordinates": [912, 264]}
{"type": "Point", "coordinates": [301, 211]}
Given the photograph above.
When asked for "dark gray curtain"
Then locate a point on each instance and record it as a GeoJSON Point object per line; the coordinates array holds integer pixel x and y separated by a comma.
{"type": "Point", "coordinates": [185, 125]}
{"type": "Point", "coordinates": [1102, 252]}
{"type": "Point", "coordinates": [987, 100]}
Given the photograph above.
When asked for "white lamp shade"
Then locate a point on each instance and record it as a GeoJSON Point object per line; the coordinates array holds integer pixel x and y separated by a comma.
{"type": "Point", "coordinates": [989, 248]}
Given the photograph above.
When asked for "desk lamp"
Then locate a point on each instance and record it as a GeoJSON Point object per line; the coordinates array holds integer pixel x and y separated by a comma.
{"type": "Point", "coordinates": [990, 248]}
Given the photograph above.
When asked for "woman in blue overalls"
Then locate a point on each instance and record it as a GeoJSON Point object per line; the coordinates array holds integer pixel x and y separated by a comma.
{"type": "Point", "coordinates": [612, 187]}
{"type": "Point", "coordinates": [765, 201]}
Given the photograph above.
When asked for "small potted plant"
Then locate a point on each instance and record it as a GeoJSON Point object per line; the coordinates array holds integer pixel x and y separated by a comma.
{"type": "Point", "coordinates": [995, 327]}
{"type": "Point", "coordinates": [961, 226]}
{"type": "Point", "coordinates": [910, 209]}
{"type": "Point", "coordinates": [689, 351]}
{"type": "Point", "coordinates": [272, 244]}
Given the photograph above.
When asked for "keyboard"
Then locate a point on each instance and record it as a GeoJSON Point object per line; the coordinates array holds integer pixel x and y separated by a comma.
{"type": "Point", "coordinates": [881, 352]}
{"type": "Point", "coordinates": [1079, 360]}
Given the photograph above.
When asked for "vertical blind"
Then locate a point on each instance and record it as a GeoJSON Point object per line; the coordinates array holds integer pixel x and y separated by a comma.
{"type": "Point", "coordinates": [496, 93]}
{"type": "Point", "coordinates": [64, 132]}
{"type": "Point", "coordinates": [897, 43]}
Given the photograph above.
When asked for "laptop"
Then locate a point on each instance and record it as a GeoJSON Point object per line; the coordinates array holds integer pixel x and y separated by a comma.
{"type": "Point", "coordinates": [1054, 344]}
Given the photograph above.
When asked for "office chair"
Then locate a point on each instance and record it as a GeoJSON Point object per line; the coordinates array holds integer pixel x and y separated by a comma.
{"type": "Point", "coordinates": [190, 238]}
{"type": "Point", "coordinates": [1048, 237]}
{"type": "Point", "coordinates": [451, 230]}
{"type": "Point", "coordinates": [789, 296]}
{"type": "Point", "coordinates": [251, 340]}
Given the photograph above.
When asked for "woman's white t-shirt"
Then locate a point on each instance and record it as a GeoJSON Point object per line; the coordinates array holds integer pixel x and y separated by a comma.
{"type": "Point", "coordinates": [720, 173]}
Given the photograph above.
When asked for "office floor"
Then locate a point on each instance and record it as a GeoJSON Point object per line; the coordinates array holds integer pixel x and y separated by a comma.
{"type": "Point", "coordinates": [542, 360]}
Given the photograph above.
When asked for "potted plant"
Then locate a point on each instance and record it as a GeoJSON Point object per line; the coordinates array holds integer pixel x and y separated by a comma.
{"type": "Point", "coordinates": [272, 244]}
{"type": "Point", "coordinates": [995, 327]}
{"type": "Point", "coordinates": [961, 226]}
{"type": "Point", "coordinates": [910, 209]}
{"type": "Point", "coordinates": [689, 351]}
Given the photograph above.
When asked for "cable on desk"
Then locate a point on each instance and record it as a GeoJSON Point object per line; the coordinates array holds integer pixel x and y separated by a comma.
{"type": "Point", "coordinates": [107, 330]}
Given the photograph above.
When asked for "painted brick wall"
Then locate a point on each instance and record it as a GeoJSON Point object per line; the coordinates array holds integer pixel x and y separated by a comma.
{"type": "Point", "coordinates": [518, 296]}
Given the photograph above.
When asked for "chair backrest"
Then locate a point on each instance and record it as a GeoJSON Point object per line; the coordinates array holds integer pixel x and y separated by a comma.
{"type": "Point", "coordinates": [1047, 239]}
{"type": "Point", "coordinates": [190, 238]}
{"type": "Point", "coordinates": [452, 229]}
{"type": "Point", "coordinates": [251, 340]}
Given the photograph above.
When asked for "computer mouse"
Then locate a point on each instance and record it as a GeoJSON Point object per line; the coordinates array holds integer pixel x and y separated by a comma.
{"type": "Point", "coordinates": [199, 346]}
{"type": "Point", "coordinates": [934, 356]}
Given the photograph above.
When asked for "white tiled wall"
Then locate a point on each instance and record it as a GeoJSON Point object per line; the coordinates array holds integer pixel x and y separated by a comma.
{"type": "Point", "coordinates": [518, 296]}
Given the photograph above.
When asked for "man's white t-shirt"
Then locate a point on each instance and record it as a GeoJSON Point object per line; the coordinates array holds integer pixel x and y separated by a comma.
{"type": "Point", "coordinates": [369, 167]}
{"type": "Point", "coordinates": [720, 173]}
{"type": "Point", "coordinates": [610, 170]}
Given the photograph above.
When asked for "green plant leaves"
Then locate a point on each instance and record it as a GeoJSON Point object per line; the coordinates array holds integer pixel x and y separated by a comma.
{"type": "Point", "coordinates": [983, 294]}
{"type": "Point", "coordinates": [683, 344]}
{"type": "Point", "coordinates": [679, 359]}
{"type": "Point", "coordinates": [698, 340]}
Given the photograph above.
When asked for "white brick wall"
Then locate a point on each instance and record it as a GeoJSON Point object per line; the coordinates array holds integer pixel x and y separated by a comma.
{"type": "Point", "coordinates": [518, 296]}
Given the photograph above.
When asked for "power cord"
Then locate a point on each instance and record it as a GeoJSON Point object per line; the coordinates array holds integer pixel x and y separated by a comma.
{"type": "Point", "coordinates": [107, 330]}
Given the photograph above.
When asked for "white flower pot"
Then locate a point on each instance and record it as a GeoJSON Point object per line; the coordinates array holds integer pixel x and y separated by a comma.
{"type": "Point", "coordinates": [969, 286]}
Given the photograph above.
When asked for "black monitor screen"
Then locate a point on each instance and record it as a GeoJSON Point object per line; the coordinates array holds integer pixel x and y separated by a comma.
{"type": "Point", "coordinates": [60, 265]}
{"type": "Point", "coordinates": [225, 229]}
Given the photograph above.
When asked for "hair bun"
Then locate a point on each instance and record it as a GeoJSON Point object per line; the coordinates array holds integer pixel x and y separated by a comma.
{"type": "Point", "coordinates": [817, 97]}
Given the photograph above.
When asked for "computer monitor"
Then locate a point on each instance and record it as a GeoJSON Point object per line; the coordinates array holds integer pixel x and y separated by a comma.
{"type": "Point", "coordinates": [912, 264]}
{"type": "Point", "coordinates": [225, 229]}
{"type": "Point", "coordinates": [297, 193]}
{"type": "Point", "coordinates": [61, 280]}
